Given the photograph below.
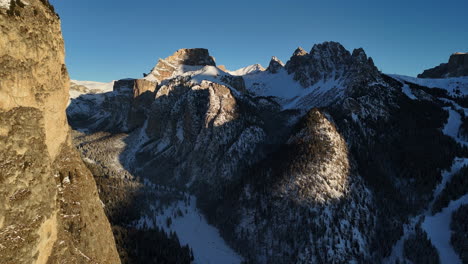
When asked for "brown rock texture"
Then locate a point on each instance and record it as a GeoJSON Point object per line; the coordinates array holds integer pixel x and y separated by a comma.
{"type": "Point", "coordinates": [50, 210]}
{"type": "Point", "coordinates": [142, 86]}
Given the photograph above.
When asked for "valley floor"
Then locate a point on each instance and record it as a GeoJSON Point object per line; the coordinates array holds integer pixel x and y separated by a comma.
{"type": "Point", "coordinates": [180, 215]}
{"type": "Point", "coordinates": [192, 229]}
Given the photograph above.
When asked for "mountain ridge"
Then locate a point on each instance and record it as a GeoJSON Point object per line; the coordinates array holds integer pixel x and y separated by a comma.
{"type": "Point", "coordinates": [257, 157]}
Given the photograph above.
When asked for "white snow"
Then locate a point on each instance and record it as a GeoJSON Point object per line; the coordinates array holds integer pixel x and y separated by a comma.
{"type": "Point", "coordinates": [93, 88]}
{"type": "Point", "coordinates": [5, 4]}
{"type": "Point", "coordinates": [452, 127]}
{"type": "Point", "coordinates": [267, 84]}
{"type": "Point", "coordinates": [289, 93]}
{"type": "Point", "coordinates": [247, 70]}
{"type": "Point", "coordinates": [193, 229]}
{"type": "Point", "coordinates": [199, 74]}
{"type": "Point", "coordinates": [437, 228]}
{"type": "Point", "coordinates": [458, 163]}
{"type": "Point", "coordinates": [449, 84]}
{"type": "Point", "coordinates": [407, 90]}
{"type": "Point", "coordinates": [436, 225]}
{"type": "Point", "coordinates": [207, 73]}
{"type": "Point", "coordinates": [100, 86]}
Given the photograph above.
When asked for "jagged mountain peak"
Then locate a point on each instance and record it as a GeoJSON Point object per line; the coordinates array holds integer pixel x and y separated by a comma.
{"type": "Point", "coordinates": [329, 49]}
{"type": "Point", "coordinates": [300, 52]}
{"type": "Point", "coordinates": [192, 57]}
{"type": "Point", "coordinates": [275, 65]}
{"type": "Point", "coordinates": [328, 60]}
{"type": "Point", "coordinates": [359, 54]}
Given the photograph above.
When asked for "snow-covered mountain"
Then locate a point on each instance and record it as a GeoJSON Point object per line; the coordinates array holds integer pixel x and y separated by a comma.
{"type": "Point", "coordinates": [78, 88]}
{"type": "Point", "coordinates": [254, 68]}
{"type": "Point", "coordinates": [322, 159]}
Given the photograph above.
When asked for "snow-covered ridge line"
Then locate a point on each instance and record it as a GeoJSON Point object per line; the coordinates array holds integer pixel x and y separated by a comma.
{"type": "Point", "coordinates": [247, 70]}
{"type": "Point", "coordinates": [456, 86]}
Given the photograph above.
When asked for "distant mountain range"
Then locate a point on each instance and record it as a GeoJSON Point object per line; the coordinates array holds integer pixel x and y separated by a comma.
{"type": "Point", "coordinates": [322, 159]}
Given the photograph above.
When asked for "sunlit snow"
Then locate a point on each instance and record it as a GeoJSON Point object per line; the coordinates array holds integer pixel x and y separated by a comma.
{"type": "Point", "coordinates": [247, 70]}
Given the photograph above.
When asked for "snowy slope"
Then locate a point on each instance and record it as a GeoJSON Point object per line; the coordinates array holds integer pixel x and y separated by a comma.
{"type": "Point", "coordinates": [452, 127]}
{"type": "Point", "coordinates": [437, 228]}
{"type": "Point", "coordinates": [205, 73]}
{"type": "Point", "coordinates": [247, 70]}
{"type": "Point", "coordinates": [193, 229]}
{"type": "Point", "coordinates": [104, 87]}
{"type": "Point", "coordinates": [450, 84]}
{"type": "Point", "coordinates": [407, 90]}
{"type": "Point", "coordinates": [91, 87]}
{"type": "Point", "coordinates": [290, 92]}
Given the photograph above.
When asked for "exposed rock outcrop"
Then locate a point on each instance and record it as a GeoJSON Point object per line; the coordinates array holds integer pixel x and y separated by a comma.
{"type": "Point", "coordinates": [328, 61]}
{"type": "Point", "coordinates": [181, 60]}
{"type": "Point", "coordinates": [197, 133]}
{"type": "Point", "coordinates": [275, 65]}
{"type": "Point", "coordinates": [50, 211]}
{"type": "Point", "coordinates": [457, 66]}
{"type": "Point", "coordinates": [286, 182]}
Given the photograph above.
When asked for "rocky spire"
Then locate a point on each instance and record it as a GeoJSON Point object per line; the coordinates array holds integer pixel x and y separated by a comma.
{"type": "Point", "coordinates": [275, 65]}
{"type": "Point", "coordinates": [300, 52]}
{"type": "Point", "coordinates": [359, 55]}
{"type": "Point", "coordinates": [328, 60]}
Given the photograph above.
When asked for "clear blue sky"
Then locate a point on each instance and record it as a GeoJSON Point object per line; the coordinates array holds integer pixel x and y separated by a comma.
{"type": "Point", "coordinates": [113, 39]}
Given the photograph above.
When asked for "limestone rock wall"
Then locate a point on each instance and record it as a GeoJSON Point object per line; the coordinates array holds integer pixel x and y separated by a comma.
{"type": "Point", "coordinates": [50, 210]}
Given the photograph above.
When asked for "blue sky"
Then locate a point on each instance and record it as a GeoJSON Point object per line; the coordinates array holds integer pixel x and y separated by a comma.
{"type": "Point", "coordinates": [113, 39]}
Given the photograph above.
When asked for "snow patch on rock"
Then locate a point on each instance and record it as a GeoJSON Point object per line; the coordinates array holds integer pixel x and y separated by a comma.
{"type": "Point", "coordinates": [407, 90]}
{"type": "Point", "coordinates": [5, 4]}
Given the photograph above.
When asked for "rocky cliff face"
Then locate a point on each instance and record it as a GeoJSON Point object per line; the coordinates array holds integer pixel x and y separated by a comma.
{"type": "Point", "coordinates": [457, 66]}
{"type": "Point", "coordinates": [275, 65]}
{"type": "Point", "coordinates": [327, 61]}
{"type": "Point", "coordinates": [181, 60]}
{"type": "Point", "coordinates": [50, 212]}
